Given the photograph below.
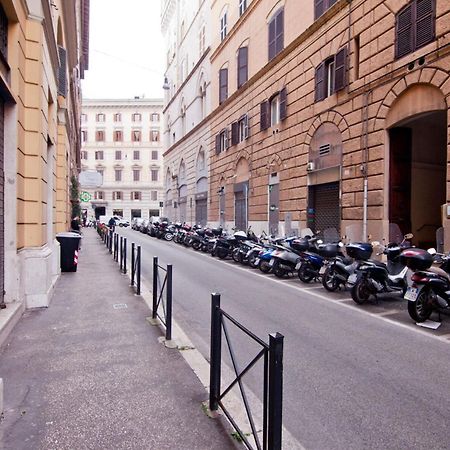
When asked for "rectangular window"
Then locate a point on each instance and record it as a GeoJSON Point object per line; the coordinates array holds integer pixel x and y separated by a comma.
{"type": "Point", "coordinates": [356, 45]}
{"type": "Point", "coordinates": [155, 174]}
{"type": "Point", "coordinates": [320, 6]}
{"type": "Point", "coordinates": [118, 136]}
{"type": "Point", "coordinates": [154, 195]}
{"type": "Point", "coordinates": [136, 195]}
{"type": "Point", "coordinates": [100, 117]}
{"type": "Point", "coordinates": [136, 136]}
{"type": "Point", "coordinates": [118, 155]}
{"type": "Point", "coordinates": [118, 175]}
{"type": "Point", "coordinates": [239, 130]}
{"type": "Point", "coordinates": [275, 110]}
{"type": "Point", "coordinates": [100, 136]}
{"type": "Point", "coordinates": [242, 71]}
{"type": "Point", "coordinates": [264, 122]}
{"type": "Point", "coordinates": [101, 172]}
{"type": "Point", "coordinates": [223, 27]}
{"type": "Point", "coordinates": [222, 141]}
{"type": "Point", "coordinates": [135, 213]}
{"type": "Point", "coordinates": [117, 195]}
{"type": "Point", "coordinates": [136, 155]}
{"type": "Point", "coordinates": [154, 117]}
{"type": "Point", "coordinates": [154, 136]}
{"type": "Point", "coordinates": [83, 118]}
{"type": "Point", "coordinates": [202, 40]}
{"type": "Point", "coordinates": [99, 195]}
{"type": "Point", "coordinates": [136, 117]}
{"type": "Point", "coordinates": [99, 155]}
{"type": "Point", "coordinates": [276, 34]}
{"type": "Point", "coordinates": [84, 154]}
{"type": "Point", "coordinates": [331, 75]}
{"type": "Point", "coordinates": [117, 117]}
{"type": "Point", "coordinates": [223, 85]}
{"type": "Point", "coordinates": [415, 26]}
{"type": "Point", "coordinates": [154, 154]}
{"type": "Point", "coordinates": [136, 175]}
{"type": "Point", "coordinates": [84, 136]}
{"type": "Point", "coordinates": [242, 6]}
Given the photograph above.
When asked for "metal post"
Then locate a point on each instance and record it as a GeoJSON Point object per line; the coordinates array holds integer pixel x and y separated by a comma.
{"type": "Point", "coordinates": [169, 303]}
{"type": "Point", "coordinates": [132, 264]}
{"type": "Point", "coordinates": [155, 287]}
{"type": "Point", "coordinates": [138, 271]}
{"type": "Point", "coordinates": [121, 253]}
{"type": "Point", "coordinates": [116, 245]}
{"type": "Point", "coordinates": [215, 353]}
{"type": "Point", "coordinates": [124, 255]}
{"type": "Point", "coordinates": [110, 241]}
{"type": "Point", "coordinates": [275, 391]}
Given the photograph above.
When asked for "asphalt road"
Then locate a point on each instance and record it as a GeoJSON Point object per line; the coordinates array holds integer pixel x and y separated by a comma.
{"type": "Point", "coordinates": [352, 379]}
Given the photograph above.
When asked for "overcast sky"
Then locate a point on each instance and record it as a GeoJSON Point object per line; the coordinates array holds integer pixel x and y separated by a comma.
{"type": "Point", "coordinates": [126, 50]}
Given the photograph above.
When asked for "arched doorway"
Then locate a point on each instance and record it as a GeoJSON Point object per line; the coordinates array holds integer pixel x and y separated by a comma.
{"type": "Point", "coordinates": [417, 128]}
{"type": "Point", "coordinates": [182, 192]}
{"type": "Point", "coordinates": [201, 190]}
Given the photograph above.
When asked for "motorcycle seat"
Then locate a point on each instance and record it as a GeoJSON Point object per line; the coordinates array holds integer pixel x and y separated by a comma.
{"type": "Point", "coordinates": [376, 262]}
{"type": "Point", "coordinates": [438, 271]}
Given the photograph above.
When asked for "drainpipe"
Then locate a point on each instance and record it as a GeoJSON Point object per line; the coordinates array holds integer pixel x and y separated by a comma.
{"type": "Point", "coordinates": [365, 160]}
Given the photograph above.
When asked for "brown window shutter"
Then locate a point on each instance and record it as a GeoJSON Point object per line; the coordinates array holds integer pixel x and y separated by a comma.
{"type": "Point", "coordinates": [62, 78]}
{"type": "Point", "coordinates": [264, 119]}
{"type": "Point", "coordinates": [234, 133]}
{"type": "Point", "coordinates": [425, 22]}
{"type": "Point", "coordinates": [279, 30]}
{"type": "Point", "coordinates": [320, 82]}
{"type": "Point", "coordinates": [246, 127]}
{"type": "Point", "coordinates": [283, 104]}
{"type": "Point", "coordinates": [217, 144]}
{"type": "Point", "coordinates": [242, 66]}
{"type": "Point", "coordinates": [340, 69]}
{"type": "Point", "coordinates": [223, 85]}
{"type": "Point", "coordinates": [319, 8]}
{"type": "Point", "coordinates": [272, 39]}
{"type": "Point", "coordinates": [404, 32]}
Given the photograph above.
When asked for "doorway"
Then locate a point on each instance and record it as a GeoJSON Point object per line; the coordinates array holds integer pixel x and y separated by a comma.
{"type": "Point", "coordinates": [417, 175]}
{"type": "Point", "coordinates": [100, 211]}
{"type": "Point", "coordinates": [324, 214]}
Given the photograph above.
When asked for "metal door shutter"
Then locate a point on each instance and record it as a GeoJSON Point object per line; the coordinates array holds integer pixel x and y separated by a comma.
{"type": "Point", "coordinates": [240, 211]}
{"type": "Point", "coordinates": [325, 201]}
{"type": "Point", "coordinates": [201, 212]}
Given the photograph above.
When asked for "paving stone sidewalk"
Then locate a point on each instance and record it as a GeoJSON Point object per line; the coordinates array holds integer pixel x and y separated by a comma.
{"type": "Point", "coordinates": [83, 374]}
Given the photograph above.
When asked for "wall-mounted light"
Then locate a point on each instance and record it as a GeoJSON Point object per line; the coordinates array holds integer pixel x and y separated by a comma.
{"type": "Point", "coordinates": [166, 85]}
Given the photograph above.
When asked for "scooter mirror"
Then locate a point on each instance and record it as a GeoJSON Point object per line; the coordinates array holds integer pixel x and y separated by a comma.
{"type": "Point", "coordinates": [340, 244]}
{"type": "Point", "coordinates": [432, 251]}
{"type": "Point", "coordinates": [375, 243]}
{"type": "Point", "coordinates": [319, 241]}
{"type": "Point", "coordinates": [408, 236]}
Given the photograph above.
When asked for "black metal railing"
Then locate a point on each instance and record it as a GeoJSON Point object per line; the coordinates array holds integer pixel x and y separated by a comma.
{"type": "Point", "coordinates": [136, 267]}
{"type": "Point", "coordinates": [272, 356]}
{"type": "Point", "coordinates": [159, 287]}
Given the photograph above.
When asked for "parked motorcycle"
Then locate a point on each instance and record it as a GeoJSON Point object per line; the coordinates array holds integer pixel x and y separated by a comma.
{"type": "Point", "coordinates": [341, 271]}
{"type": "Point", "coordinates": [374, 277]}
{"type": "Point", "coordinates": [430, 287]}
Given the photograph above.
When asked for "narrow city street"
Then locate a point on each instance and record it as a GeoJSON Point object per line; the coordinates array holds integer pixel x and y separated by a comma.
{"type": "Point", "coordinates": [353, 378]}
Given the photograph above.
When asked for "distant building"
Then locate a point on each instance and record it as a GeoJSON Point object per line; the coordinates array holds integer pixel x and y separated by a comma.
{"type": "Point", "coordinates": [121, 140]}
{"type": "Point", "coordinates": [185, 27]}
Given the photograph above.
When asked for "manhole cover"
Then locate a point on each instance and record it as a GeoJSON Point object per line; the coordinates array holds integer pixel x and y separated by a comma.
{"type": "Point", "coordinates": [120, 306]}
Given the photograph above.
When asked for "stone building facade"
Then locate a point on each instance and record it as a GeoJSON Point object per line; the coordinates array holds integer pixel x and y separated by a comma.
{"type": "Point", "coordinates": [43, 55]}
{"type": "Point", "coordinates": [336, 116]}
{"type": "Point", "coordinates": [185, 27]}
{"type": "Point", "coordinates": [122, 142]}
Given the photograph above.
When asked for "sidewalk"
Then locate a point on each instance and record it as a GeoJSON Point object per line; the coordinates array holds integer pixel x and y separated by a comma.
{"type": "Point", "coordinates": [83, 374]}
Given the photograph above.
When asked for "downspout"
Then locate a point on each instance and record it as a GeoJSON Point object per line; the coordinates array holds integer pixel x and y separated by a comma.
{"type": "Point", "coordinates": [365, 160]}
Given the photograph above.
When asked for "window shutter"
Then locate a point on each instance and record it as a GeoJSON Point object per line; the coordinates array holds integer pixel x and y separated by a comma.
{"type": "Point", "coordinates": [320, 82]}
{"type": "Point", "coordinates": [272, 39]}
{"type": "Point", "coordinates": [264, 119]}
{"type": "Point", "coordinates": [319, 8]}
{"type": "Point", "coordinates": [246, 128]}
{"type": "Point", "coordinates": [242, 66]}
{"type": "Point", "coordinates": [425, 22]}
{"type": "Point", "coordinates": [234, 133]}
{"type": "Point", "coordinates": [226, 138]}
{"type": "Point", "coordinates": [62, 79]}
{"type": "Point", "coordinates": [283, 104]}
{"type": "Point", "coordinates": [223, 85]}
{"type": "Point", "coordinates": [340, 69]}
{"type": "Point", "coordinates": [279, 31]}
{"type": "Point", "coordinates": [217, 144]}
{"type": "Point", "coordinates": [404, 32]}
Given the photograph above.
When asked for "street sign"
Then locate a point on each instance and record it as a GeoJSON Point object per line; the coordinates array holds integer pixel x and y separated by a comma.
{"type": "Point", "coordinates": [90, 179]}
{"type": "Point", "coordinates": [85, 196]}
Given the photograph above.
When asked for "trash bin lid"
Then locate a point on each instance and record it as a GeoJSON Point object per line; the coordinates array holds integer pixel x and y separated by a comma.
{"type": "Point", "coordinates": [68, 234]}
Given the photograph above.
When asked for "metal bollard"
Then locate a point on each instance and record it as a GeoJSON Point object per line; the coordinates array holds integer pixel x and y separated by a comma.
{"type": "Point", "coordinates": [215, 353]}
{"type": "Point", "coordinates": [121, 253]}
{"type": "Point", "coordinates": [138, 271]}
{"type": "Point", "coordinates": [132, 264]}
{"type": "Point", "coordinates": [169, 303]}
{"type": "Point", "coordinates": [155, 287]}
{"type": "Point", "coordinates": [124, 255]}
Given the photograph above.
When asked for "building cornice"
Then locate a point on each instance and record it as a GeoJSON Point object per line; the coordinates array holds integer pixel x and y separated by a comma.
{"type": "Point", "coordinates": [191, 74]}
{"type": "Point", "coordinates": [50, 36]}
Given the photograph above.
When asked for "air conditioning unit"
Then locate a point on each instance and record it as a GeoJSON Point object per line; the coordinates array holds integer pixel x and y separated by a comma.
{"type": "Point", "coordinates": [310, 166]}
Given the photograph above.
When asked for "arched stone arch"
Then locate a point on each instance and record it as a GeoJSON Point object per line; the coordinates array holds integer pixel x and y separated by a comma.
{"type": "Point", "coordinates": [428, 76]}
{"type": "Point", "coordinates": [275, 163]}
{"type": "Point", "coordinates": [242, 170]}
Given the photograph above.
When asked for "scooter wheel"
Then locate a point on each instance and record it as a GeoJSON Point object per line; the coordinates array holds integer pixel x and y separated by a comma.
{"type": "Point", "coordinates": [196, 245]}
{"type": "Point", "coordinates": [264, 266]}
{"type": "Point", "coordinates": [306, 273]}
{"type": "Point", "coordinates": [421, 309]}
{"type": "Point", "coordinates": [361, 291]}
{"type": "Point", "coordinates": [329, 280]}
{"type": "Point", "coordinates": [222, 253]}
{"type": "Point", "coordinates": [278, 271]}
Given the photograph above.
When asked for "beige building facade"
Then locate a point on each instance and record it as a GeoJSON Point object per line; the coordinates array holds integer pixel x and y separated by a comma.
{"type": "Point", "coordinates": [122, 142]}
{"type": "Point", "coordinates": [333, 116]}
{"type": "Point", "coordinates": [44, 52]}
